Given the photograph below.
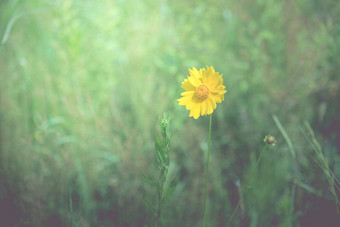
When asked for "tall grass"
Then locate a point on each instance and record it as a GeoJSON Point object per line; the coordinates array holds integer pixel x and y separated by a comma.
{"type": "Point", "coordinates": [82, 84]}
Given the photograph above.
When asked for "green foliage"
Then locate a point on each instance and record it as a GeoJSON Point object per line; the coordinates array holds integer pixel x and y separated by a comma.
{"type": "Point", "coordinates": [323, 163]}
{"type": "Point", "coordinates": [82, 83]}
{"type": "Point", "coordinates": [162, 149]}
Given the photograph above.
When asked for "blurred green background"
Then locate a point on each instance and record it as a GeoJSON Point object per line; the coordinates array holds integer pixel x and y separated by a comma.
{"type": "Point", "coordinates": [83, 83]}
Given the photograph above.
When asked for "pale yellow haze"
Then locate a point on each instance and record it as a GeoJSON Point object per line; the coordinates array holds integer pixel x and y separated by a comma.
{"type": "Point", "coordinates": [203, 89]}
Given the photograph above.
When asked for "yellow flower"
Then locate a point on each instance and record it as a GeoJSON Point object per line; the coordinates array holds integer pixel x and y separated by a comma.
{"type": "Point", "coordinates": [203, 89]}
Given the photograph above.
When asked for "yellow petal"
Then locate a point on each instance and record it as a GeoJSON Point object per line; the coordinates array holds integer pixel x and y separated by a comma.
{"type": "Point", "coordinates": [186, 93]}
{"type": "Point", "coordinates": [204, 108]}
{"type": "Point", "coordinates": [195, 111]}
{"type": "Point", "coordinates": [209, 107]}
{"type": "Point", "coordinates": [219, 91]}
{"type": "Point", "coordinates": [210, 70]}
{"type": "Point", "coordinates": [195, 73]}
{"type": "Point", "coordinates": [205, 75]}
{"type": "Point", "coordinates": [213, 81]}
{"type": "Point", "coordinates": [194, 81]}
{"type": "Point", "coordinates": [217, 98]}
{"type": "Point", "coordinates": [184, 100]}
{"type": "Point", "coordinates": [201, 73]}
{"type": "Point", "coordinates": [212, 101]}
{"type": "Point", "coordinates": [192, 103]}
{"type": "Point", "coordinates": [186, 85]}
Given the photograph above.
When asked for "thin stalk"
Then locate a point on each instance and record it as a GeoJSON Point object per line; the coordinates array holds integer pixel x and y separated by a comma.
{"type": "Point", "coordinates": [292, 202]}
{"type": "Point", "coordinates": [160, 200]}
{"type": "Point", "coordinates": [71, 208]}
{"type": "Point", "coordinates": [207, 176]}
{"type": "Point", "coordinates": [250, 177]}
{"type": "Point", "coordinates": [234, 212]}
{"type": "Point", "coordinates": [257, 162]}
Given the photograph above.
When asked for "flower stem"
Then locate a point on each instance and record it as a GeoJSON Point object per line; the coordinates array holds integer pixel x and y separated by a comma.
{"type": "Point", "coordinates": [207, 176]}
{"type": "Point", "coordinates": [250, 177]}
{"type": "Point", "coordinates": [160, 197]}
{"type": "Point", "coordinates": [257, 162]}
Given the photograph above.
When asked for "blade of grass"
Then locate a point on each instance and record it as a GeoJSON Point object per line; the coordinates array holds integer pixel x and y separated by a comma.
{"type": "Point", "coordinates": [285, 136]}
{"type": "Point", "coordinates": [308, 188]}
{"type": "Point", "coordinates": [322, 161]}
{"type": "Point", "coordinates": [296, 169]}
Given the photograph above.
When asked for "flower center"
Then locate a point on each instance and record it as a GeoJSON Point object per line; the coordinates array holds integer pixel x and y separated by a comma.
{"type": "Point", "coordinates": [202, 92]}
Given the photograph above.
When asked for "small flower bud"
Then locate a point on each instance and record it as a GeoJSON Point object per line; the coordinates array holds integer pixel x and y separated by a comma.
{"type": "Point", "coordinates": [270, 140]}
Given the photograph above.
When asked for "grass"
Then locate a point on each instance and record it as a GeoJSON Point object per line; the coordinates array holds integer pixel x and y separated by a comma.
{"type": "Point", "coordinates": [82, 84]}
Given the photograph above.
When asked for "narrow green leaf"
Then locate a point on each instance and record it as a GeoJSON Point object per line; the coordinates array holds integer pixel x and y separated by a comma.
{"type": "Point", "coordinates": [149, 181]}
{"type": "Point", "coordinates": [158, 138]}
{"type": "Point", "coordinates": [308, 188]}
{"type": "Point", "coordinates": [170, 190]}
{"type": "Point", "coordinates": [158, 146]}
{"type": "Point", "coordinates": [161, 157]}
{"type": "Point", "coordinates": [285, 135]}
{"type": "Point", "coordinates": [150, 206]}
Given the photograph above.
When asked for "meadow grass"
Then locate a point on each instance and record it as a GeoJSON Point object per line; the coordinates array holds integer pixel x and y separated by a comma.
{"type": "Point", "coordinates": [82, 84]}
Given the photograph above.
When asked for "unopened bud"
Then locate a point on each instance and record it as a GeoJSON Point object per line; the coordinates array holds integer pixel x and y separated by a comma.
{"type": "Point", "coordinates": [270, 140]}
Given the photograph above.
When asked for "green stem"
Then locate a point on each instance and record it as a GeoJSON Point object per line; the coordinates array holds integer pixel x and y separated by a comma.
{"type": "Point", "coordinates": [250, 177]}
{"type": "Point", "coordinates": [234, 212]}
{"type": "Point", "coordinates": [160, 197]}
{"type": "Point", "coordinates": [257, 162]}
{"type": "Point", "coordinates": [71, 207]}
{"type": "Point", "coordinates": [292, 199]}
{"type": "Point", "coordinates": [207, 176]}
